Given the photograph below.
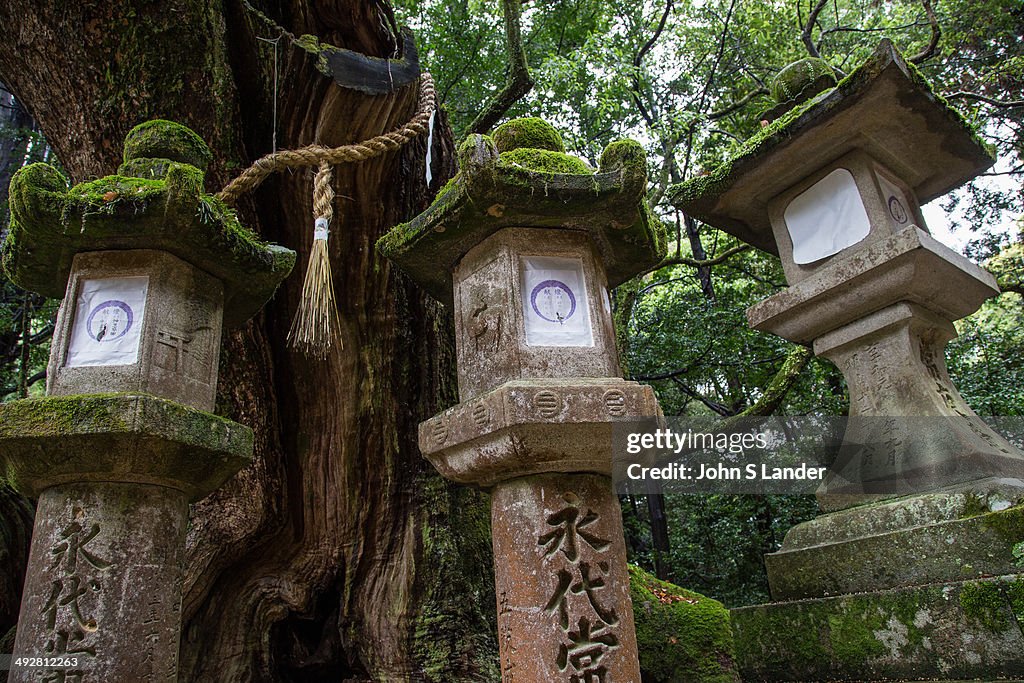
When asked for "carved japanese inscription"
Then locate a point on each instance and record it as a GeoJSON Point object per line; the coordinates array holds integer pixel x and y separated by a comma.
{"type": "Point", "coordinates": [76, 574]}
{"type": "Point", "coordinates": [588, 626]}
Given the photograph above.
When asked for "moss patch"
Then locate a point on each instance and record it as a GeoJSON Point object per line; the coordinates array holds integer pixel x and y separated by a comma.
{"type": "Point", "coordinates": [161, 139]}
{"type": "Point", "coordinates": [682, 636]}
{"type": "Point", "coordinates": [529, 133]}
{"type": "Point", "coordinates": [793, 79]}
{"type": "Point", "coordinates": [543, 161]}
{"type": "Point", "coordinates": [57, 415]}
{"type": "Point", "coordinates": [984, 602]}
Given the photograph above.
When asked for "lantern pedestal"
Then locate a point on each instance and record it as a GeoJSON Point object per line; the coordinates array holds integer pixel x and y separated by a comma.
{"type": "Point", "coordinates": [114, 474]}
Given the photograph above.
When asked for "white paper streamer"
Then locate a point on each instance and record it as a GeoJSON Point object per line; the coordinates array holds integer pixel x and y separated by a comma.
{"type": "Point", "coordinates": [430, 144]}
{"type": "Point", "coordinates": [826, 218]}
{"type": "Point", "coordinates": [108, 322]}
{"type": "Point", "coordinates": [321, 230]}
{"type": "Point", "coordinates": [555, 306]}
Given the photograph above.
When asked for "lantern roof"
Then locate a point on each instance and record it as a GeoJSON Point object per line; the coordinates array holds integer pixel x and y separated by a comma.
{"type": "Point", "coordinates": [884, 107]}
{"type": "Point", "coordinates": [155, 202]}
{"type": "Point", "coordinates": [521, 178]}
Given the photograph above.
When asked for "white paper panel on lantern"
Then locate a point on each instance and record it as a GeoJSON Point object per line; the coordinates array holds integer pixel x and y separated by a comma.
{"type": "Point", "coordinates": [555, 307]}
{"type": "Point", "coordinates": [896, 203]}
{"type": "Point", "coordinates": [108, 321]}
{"type": "Point", "coordinates": [826, 218]}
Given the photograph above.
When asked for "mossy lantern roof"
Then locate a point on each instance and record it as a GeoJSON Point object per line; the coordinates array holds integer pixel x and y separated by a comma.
{"type": "Point", "coordinates": [522, 178]}
{"type": "Point", "coordinates": [884, 107]}
{"type": "Point", "coordinates": [155, 202]}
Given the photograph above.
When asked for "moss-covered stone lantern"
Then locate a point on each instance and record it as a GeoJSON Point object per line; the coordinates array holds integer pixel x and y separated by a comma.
{"type": "Point", "coordinates": [834, 187]}
{"type": "Point", "coordinates": [149, 268]}
{"type": "Point", "coordinates": [524, 243]}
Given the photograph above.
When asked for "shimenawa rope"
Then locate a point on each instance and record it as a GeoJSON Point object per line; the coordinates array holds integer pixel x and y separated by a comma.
{"type": "Point", "coordinates": [316, 322]}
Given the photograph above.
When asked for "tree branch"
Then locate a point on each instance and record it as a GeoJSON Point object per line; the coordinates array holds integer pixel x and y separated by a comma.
{"type": "Point", "coordinates": [780, 385]}
{"type": "Point", "coordinates": [738, 104]}
{"type": "Point", "coordinates": [519, 80]}
{"type": "Point", "coordinates": [929, 49]}
{"type": "Point", "coordinates": [964, 95]}
{"type": "Point", "coordinates": [806, 34]}
{"type": "Point", "coordinates": [705, 263]}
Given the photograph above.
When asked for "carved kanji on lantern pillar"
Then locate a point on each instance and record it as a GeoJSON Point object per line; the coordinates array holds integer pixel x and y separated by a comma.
{"type": "Point", "coordinates": [150, 269]}
{"type": "Point", "coordinates": [524, 245]}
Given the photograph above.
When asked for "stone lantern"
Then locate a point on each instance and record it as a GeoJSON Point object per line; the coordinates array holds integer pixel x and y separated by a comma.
{"type": "Point", "coordinates": [834, 187]}
{"type": "Point", "coordinates": [524, 244]}
{"type": "Point", "coordinates": [150, 269]}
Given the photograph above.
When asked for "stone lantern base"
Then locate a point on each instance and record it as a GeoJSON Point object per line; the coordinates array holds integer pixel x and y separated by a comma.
{"type": "Point", "coordinates": [919, 587]}
{"type": "Point", "coordinates": [944, 631]}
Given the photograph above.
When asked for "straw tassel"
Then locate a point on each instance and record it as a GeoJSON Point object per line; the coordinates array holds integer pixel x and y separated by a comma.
{"type": "Point", "coordinates": [316, 324]}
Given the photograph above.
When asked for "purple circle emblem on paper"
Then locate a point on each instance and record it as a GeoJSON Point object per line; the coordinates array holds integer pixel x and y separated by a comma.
{"type": "Point", "coordinates": [553, 296]}
{"type": "Point", "coordinates": [897, 211]}
{"type": "Point", "coordinates": [112, 320]}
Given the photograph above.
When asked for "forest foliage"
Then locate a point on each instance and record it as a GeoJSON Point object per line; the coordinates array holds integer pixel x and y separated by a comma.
{"type": "Point", "coordinates": [690, 79]}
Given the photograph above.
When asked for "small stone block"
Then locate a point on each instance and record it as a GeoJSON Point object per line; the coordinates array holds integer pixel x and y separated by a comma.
{"type": "Point", "coordinates": [907, 266]}
{"type": "Point", "coordinates": [174, 314]}
{"type": "Point", "coordinates": [119, 437]}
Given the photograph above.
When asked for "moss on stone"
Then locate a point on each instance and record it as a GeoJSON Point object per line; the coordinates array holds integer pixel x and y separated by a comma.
{"type": "Point", "coordinates": [1015, 592]}
{"type": "Point", "coordinates": [793, 79]}
{"type": "Point", "coordinates": [167, 209]}
{"type": "Point", "coordinates": [681, 636]}
{"type": "Point", "coordinates": [543, 161]}
{"type": "Point", "coordinates": [161, 139]}
{"type": "Point", "coordinates": [106, 195]}
{"type": "Point", "coordinates": [530, 133]}
{"type": "Point", "coordinates": [623, 153]}
{"type": "Point", "coordinates": [853, 637]}
{"type": "Point", "coordinates": [983, 601]}
{"type": "Point", "coordinates": [58, 415]}
{"type": "Point", "coordinates": [1008, 524]}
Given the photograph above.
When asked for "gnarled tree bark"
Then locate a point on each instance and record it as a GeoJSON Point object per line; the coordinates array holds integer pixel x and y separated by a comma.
{"type": "Point", "coordinates": [339, 554]}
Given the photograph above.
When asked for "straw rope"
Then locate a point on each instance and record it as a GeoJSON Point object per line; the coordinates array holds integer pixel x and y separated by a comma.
{"type": "Point", "coordinates": [316, 324]}
{"type": "Point", "coordinates": [314, 155]}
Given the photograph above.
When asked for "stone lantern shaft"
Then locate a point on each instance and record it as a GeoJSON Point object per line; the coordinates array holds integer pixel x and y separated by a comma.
{"type": "Point", "coordinates": [524, 245]}
{"type": "Point", "coordinates": [150, 269]}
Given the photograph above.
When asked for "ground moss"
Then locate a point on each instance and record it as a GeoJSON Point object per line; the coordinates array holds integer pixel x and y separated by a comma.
{"type": "Point", "coordinates": [681, 635]}
{"type": "Point", "coordinates": [529, 133]}
{"type": "Point", "coordinates": [543, 161]}
{"type": "Point", "coordinates": [161, 139]}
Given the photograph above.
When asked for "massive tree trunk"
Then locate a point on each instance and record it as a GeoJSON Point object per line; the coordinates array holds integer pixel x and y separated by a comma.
{"type": "Point", "coordinates": [338, 554]}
